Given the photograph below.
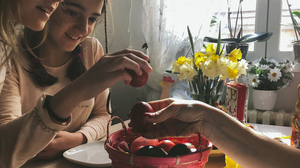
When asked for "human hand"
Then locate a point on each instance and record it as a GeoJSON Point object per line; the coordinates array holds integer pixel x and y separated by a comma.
{"type": "Point", "coordinates": [175, 117]}
{"type": "Point", "coordinates": [63, 140]}
{"type": "Point", "coordinates": [110, 69]}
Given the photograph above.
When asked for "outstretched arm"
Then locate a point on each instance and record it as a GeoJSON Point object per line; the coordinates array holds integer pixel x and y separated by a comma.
{"type": "Point", "coordinates": [243, 145]}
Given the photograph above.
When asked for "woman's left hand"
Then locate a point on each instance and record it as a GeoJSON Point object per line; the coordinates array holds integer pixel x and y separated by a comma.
{"type": "Point", "coordinates": [63, 140]}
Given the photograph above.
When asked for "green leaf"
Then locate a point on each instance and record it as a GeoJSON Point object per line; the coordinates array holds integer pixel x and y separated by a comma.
{"type": "Point", "coordinates": [171, 72]}
{"type": "Point", "coordinates": [256, 37]}
{"type": "Point", "coordinates": [297, 13]}
{"type": "Point", "coordinates": [219, 41]}
{"type": "Point", "coordinates": [191, 40]}
{"type": "Point", "coordinates": [293, 20]}
{"type": "Point", "coordinates": [225, 40]}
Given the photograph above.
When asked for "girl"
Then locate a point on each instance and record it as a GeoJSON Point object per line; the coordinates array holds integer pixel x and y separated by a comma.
{"type": "Point", "coordinates": [67, 65]}
{"type": "Point", "coordinates": [31, 13]}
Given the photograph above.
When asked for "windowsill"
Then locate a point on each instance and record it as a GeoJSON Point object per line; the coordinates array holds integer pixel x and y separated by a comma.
{"type": "Point", "coordinates": [297, 68]}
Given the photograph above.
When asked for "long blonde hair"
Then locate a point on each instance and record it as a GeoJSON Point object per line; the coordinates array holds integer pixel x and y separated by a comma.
{"type": "Point", "coordinates": [8, 32]}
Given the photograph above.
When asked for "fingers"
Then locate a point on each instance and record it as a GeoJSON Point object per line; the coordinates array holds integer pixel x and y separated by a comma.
{"type": "Point", "coordinates": [163, 111]}
{"type": "Point", "coordinates": [169, 128]}
{"type": "Point", "coordinates": [131, 59]}
{"type": "Point", "coordinates": [135, 52]}
{"type": "Point", "coordinates": [160, 104]}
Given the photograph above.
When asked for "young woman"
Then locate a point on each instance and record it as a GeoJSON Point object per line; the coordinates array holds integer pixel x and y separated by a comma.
{"type": "Point", "coordinates": [31, 13]}
{"type": "Point", "coordinates": [55, 96]}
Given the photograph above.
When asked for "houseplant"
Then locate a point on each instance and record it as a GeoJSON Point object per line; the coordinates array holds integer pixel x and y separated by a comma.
{"type": "Point", "coordinates": [266, 77]}
{"type": "Point", "coordinates": [296, 43]}
{"type": "Point", "coordinates": [237, 40]}
{"type": "Point", "coordinates": [206, 72]}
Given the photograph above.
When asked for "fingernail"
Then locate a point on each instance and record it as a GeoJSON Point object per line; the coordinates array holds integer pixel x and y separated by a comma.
{"type": "Point", "coordinates": [147, 115]}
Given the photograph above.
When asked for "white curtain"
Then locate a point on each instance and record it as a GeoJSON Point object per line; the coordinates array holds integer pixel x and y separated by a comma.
{"type": "Point", "coordinates": [164, 24]}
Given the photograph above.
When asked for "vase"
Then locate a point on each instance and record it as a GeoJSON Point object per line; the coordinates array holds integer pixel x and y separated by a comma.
{"type": "Point", "coordinates": [206, 98]}
{"type": "Point", "coordinates": [212, 96]}
{"type": "Point", "coordinates": [264, 99]}
{"type": "Point", "coordinates": [242, 46]}
{"type": "Point", "coordinates": [296, 48]}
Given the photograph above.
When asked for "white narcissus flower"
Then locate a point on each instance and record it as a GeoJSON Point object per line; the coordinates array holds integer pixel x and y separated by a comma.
{"type": "Point", "coordinates": [187, 71]}
{"type": "Point", "coordinates": [223, 64]}
{"type": "Point", "coordinates": [174, 67]}
{"type": "Point", "coordinates": [210, 69]}
{"type": "Point", "coordinates": [289, 66]}
{"type": "Point", "coordinates": [274, 75]}
{"type": "Point", "coordinates": [242, 67]}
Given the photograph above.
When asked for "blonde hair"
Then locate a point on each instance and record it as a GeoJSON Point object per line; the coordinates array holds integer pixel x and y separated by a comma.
{"type": "Point", "coordinates": [8, 32]}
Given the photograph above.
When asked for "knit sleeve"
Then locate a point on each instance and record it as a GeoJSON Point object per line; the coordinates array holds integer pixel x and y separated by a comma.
{"type": "Point", "coordinates": [96, 125]}
{"type": "Point", "coordinates": [23, 135]}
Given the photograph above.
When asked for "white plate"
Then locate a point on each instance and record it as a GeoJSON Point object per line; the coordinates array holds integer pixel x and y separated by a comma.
{"type": "Point", "coordinates": [91, 154]}
{"type": "Point", "coordinates": [273, 131]}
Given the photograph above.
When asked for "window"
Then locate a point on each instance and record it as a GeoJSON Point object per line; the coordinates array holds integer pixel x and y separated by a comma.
{"type": "Point", "coordinates": [261, 16]}
{"type": "Point", "coordinates": [287, 34]}
{"type": "Point", "coordinates": [279, 47]}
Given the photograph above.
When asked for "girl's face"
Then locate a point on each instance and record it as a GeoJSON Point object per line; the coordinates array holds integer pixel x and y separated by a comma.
{"type": "Point", "coordinates": [73, 22]}
{"type": "Point", "coordinates": [35, 13]}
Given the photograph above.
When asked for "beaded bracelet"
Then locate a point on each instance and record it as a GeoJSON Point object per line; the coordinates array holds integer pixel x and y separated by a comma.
{"type": "Point", "coordinates": [50, 111]}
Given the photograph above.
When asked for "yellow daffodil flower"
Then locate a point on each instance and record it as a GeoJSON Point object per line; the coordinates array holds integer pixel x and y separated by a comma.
{"type": "Point", "coordinates": [235, 55]}
{"type": "Point", "coordinates": [214, 57]}
{"type": "Point", "coordinates": [199, 55]}
{"type": "Point", "coordinates": [181, 60]}
{"type": "Point", "coordinates": [232, 71]}
{"type": "Point", "coordinates": [210, 48]}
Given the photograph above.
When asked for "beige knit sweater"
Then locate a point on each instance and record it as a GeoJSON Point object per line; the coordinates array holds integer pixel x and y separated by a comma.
{"type": "Point", "coordinates": [25, 127]}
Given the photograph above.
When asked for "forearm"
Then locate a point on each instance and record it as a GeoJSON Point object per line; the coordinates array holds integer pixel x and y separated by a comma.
{"type": "Point", "coordinates": [245, 146]}
{"type": "Point", "coordinates": [65, 101]}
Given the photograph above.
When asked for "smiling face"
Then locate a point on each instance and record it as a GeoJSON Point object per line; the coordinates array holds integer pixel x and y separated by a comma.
{"type": "Point", "coordinates": [35, 13]}
{"type": "Point", "coordinates": [73, 22]}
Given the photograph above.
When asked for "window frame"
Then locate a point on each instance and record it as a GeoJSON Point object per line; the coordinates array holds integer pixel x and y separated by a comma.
{"type": "Point", "coordinates": [269, 21]}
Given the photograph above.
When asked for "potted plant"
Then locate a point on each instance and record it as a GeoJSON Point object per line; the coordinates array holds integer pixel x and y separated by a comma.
{"type": "Point", "coordinates": [266, 77]}
{"type": "Point", "coordinates": [237, 40]}
{"type": "Point", "coordinates": [296, 43]}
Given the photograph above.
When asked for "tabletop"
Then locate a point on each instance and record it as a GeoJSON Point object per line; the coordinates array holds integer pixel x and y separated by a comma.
{"type": "Point", "coordinates": [214, 161]}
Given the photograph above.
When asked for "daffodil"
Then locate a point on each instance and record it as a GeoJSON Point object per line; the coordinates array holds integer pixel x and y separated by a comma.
{"type": "Point", "coordinates": [210, 48]}
{"type": "Point", "coordinates": [232, 71]}
{"type": "Point", "coordinates": [181, 60]}
{"type": "Point", "coordinates": [235, 55]}
{"type": "Point", "coordinates": [214, 57]}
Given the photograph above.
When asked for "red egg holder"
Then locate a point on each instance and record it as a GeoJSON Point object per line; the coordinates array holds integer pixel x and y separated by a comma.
{"type": "Point", "coordinates": [122, 159]}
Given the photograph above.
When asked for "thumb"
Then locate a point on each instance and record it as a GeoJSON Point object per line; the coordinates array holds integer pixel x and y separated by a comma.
{"type": "Point", "coordinates": [160, 115]}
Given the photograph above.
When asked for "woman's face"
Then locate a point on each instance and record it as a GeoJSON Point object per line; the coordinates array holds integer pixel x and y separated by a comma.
{"type": "Point", "coordinates": [35, 13]}
{"type": "Point", "coordinates": [73, 22]}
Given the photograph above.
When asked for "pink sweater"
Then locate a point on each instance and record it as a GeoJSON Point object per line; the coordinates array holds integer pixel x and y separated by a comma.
{"type": "Point", "coordinates": [25, 127]}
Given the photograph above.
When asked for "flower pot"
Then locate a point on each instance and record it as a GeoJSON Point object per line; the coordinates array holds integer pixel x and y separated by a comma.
{"type": "Point", "coordinates": [242, 46]}
{"type": "Point", "coordinates": [296, 48]}
{"type": "Point", "coordinates": [264, 99]}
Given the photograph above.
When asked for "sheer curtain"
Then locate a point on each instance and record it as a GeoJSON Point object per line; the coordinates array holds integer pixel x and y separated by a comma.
{"type": "Point", "coordinates": [164, 25]}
